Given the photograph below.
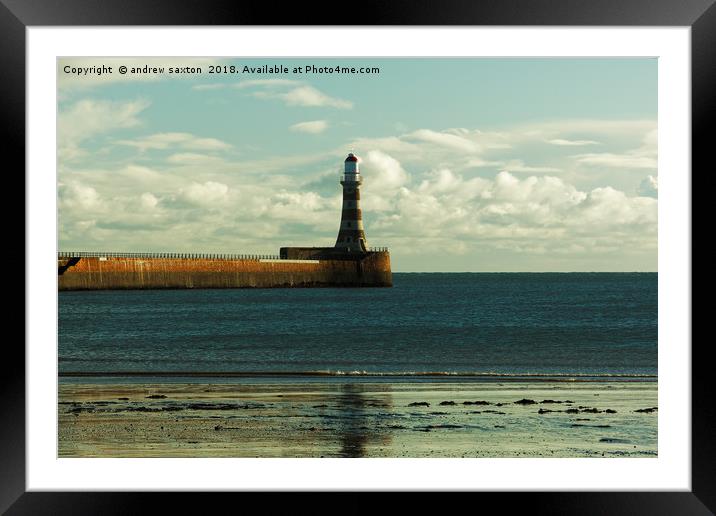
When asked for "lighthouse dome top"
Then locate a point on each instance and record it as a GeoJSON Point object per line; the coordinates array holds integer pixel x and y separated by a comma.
{"type": "Point", "coordinates": [351, 157]}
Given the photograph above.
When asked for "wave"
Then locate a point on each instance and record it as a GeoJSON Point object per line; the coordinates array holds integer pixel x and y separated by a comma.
{"type": "Point", "coordinates": [484, 374]}
{"type": "Point", "coordinates": [339, 373]}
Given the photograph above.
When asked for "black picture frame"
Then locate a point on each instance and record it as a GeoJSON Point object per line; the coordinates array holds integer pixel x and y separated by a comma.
{"type": "Point", "coordinates": [700, 15]}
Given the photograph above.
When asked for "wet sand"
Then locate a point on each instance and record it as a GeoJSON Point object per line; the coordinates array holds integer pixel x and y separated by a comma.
{"type": "Point", "coordinates": [456, 419]}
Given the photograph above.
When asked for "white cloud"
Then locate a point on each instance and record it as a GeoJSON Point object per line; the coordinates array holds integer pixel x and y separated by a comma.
{"type": "Point", "coordinates": [191, 158]}
{"type": "Point", "coordinates": [78, 196]}
{"type": "Point", "coordinates": [517, 165]}
{"type": "Point", "coordinates": [395, 145]}
{"type": "Point", "coordinates": [309, 200]}
{"type": "Point", "coordinates": [293, 93]}
{"type": "Point", "coordinates": [268, 166]}
{"type": "Point", "coordinates": [609, 207]}
{"type": "Point", "coordinates": [642, 156]}
{"type": "Point", "coordinates": [650, 141]}
{"type": "Point", "coordinates": [507, 149]}
{"type": "Point", "coordinates": [310, 96]}
{"type": "Point", "coordinates": [649, 187]}
{"type": "Point", "coordinates": [207, 87]}
{"type": "Point", "coordinates": [386, 177]}
{"type": "Point", "coordinates": [537, 214]}
{"type": "Point", "coordinates": [442, 180]}
{"type": "Point", "coordinates": [206, 194]}
{"type": "Point", "coordinates": [607, 159]}
{"type": "Point", "coordinates": [266, 82]}
{"type": "Point", "coordinates": [561, 141]}
{"type": "Point", "coordinates": [385, 172]}
{"type": "Point", "coordinates": [579, 128]}
{"type": "Point", "coordinates": [182, 140]}
{"type": "Point", "coordinates": [311, 127]}
{"type": "Point", "coordinates": [441, 209]}
{"type": "Point", "coordinates": [88, 118]}
{"type": "Point", "coordinates": [456, 191]}
{"type": "Point", "coordinates": [445, 139]}
{"type": "Point", "coordinates": [149, 200]}
{"type": "Point", "coordinates": [138, 176]}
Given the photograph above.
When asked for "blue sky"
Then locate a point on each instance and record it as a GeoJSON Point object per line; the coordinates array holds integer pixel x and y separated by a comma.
{"type": "Point", "coordinates": [469, 164]}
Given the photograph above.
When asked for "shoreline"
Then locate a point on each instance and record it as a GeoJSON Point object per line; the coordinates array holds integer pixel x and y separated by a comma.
{"type": "Point", "coordinates": [359, 419]}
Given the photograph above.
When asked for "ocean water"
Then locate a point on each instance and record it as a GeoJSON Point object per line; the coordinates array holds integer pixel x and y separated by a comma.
{"type": "Point", "coordinates": [599, 324]}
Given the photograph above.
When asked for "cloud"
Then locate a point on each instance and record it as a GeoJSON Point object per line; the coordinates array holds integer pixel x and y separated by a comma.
{"type": "Point", "coordinates": [649, 187]}
{"type": "Point", "coordinates": [498, 195]}
{"type": "Point", "coordinates": [207, 87]}
{"type": "Point", "coordinates": [267, 167]}
{"type": "Point", "coordinates": [311, 127]}
{"type": "Point", "coordinates": [445, 139]}
{"type": "Point", "coordinates": [310, 96]}
{"type": "Point", "coordinates": [138, 175]}
{"type": "Point", "coordinates": [385, 171]}
{"type": "Point", "coordinates": [87, 118]}
{"type": "Point", "coordinates": [293, 93]}
{"type": "Point", "coordinates": [386, 177]}
{"type": "Point", "coordinates": [78, 196]}
{"type": "Point", "coordinates": [206, 194]}
{"type": "Point", "coordinates": [517, 165]}
{"type": "Point", "coordinates": [563, 142]}
{"type": "Point", "coordinates": [586, 128]}
{"type": "Point", "coordinates": [626, 146]}
{"type": "Point", "coordinates": [457, 148]}
{"type": "Point", "coordinates": [149, 200]}
{"type": "Point", "coordinates": [181, 140]}
{"type": "Point", "coordinates": [642, 156]}
{"type": "Point", "coordinates": [607, 207]}
{"type": "Point", "coordinates": [627, 160]}
{"type": "Point", "coordinates": [441, 209]}
{"type": "Point", "coordinates": [534, 215]}
{"type": "Point", "coordinates": [192, 158]}
{"type": "Point", "coordinates": [300, 207]}
{"type": "Point", "coordinates": [266, 82]}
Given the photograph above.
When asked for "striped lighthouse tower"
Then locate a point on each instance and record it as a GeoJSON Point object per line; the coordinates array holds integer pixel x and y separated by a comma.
{"type": "Point", "coordinates": [351, 236]}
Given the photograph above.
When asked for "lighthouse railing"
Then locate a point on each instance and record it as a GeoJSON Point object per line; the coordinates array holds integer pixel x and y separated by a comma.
{"type": "Point", "coordinates": [351, 178]}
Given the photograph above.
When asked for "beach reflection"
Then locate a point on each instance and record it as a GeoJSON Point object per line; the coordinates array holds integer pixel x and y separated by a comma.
{"type": "Point", "coordinates": [360, 412]}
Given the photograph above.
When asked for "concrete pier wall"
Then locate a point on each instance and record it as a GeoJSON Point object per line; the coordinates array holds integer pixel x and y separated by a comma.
{"type": "Point", "coordinates": [108, 273]}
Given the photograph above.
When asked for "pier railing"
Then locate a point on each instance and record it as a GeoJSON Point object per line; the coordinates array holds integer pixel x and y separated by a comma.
{"type": "Point", "coordinates": [178, 256]}
{"type": "Point", "coordinates": [182, 256]}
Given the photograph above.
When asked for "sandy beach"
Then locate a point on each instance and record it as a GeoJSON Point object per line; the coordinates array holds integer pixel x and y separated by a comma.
{"type": "Point", "coordinates": [359, 419]}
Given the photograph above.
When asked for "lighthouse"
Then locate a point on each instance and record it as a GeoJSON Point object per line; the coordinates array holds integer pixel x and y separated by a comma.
{"type": "Point", "coordinates": [351, 236]}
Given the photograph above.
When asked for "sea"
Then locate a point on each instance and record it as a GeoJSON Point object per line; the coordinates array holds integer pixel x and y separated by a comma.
{"type": "Point", "coordinates": [484, 326]}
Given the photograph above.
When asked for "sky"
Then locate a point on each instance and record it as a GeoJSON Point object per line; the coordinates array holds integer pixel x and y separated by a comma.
{"type": "Point", "coordinates": [468, 164]}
